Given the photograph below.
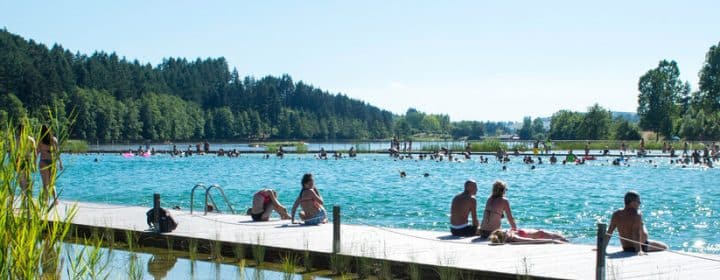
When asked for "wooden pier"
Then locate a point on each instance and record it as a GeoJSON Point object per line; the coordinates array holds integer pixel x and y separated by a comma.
{"type": "Point", "coordinates": [403, 246]}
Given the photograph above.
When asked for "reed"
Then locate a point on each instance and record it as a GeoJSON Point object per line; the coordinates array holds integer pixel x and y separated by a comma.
{"type": "Point", "coordinates": [216, 249]}
{"type": "Point", "coordinates": [29, 243]}
{"type": "Point", "coordinates": [523, 272]}
{"type": "Point", "coordinates": [288, 265]}
{"type": "Point", "coordinates": [135, 267]}
{"type": "Point", "coordinates": [307, 258]}
{"type": "Point", "coordinates": [97, 261]}
{"type": "Point", "coordinates": [239, 252]}
{"type": "Point", "coordinates": [340, 264]}
{"type": "Point", "coordinates": [240, 269]}
{"type": "Point", "coordinates": [131, 240]}
{"type": "Point", "coordinates": [193, 249]}
{"type": "Point", "coordinates": [258, 251]}
{"type": "Point", "coordinates": [489, 145]}
{"type": "Point", "coordinates": [445, 271]}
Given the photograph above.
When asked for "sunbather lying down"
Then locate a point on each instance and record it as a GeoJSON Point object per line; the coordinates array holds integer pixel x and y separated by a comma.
{"type": "Point", "coordinates": [526, 236]}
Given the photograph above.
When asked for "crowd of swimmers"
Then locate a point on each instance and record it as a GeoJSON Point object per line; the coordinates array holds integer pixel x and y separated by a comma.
{"type": "Point", "coordinates": [628, 221]}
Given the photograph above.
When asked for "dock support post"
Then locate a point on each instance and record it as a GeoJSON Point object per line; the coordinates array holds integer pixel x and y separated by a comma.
{"type": "Point", "coordinates": [600, 266]}
{"type": "Point", "coordinates": [156, 207]}
{"type": "Point", "coordinates": [336, 229]}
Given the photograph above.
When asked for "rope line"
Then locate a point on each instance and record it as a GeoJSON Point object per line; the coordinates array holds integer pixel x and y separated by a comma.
{"type": "Point", "coordinates": [663, 249]}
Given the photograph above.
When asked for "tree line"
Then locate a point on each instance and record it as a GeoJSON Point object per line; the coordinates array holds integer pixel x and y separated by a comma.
{"type": "Point", "coordinates": [115, 99]}
{"type": "Point", "coordinates": [666, 106]}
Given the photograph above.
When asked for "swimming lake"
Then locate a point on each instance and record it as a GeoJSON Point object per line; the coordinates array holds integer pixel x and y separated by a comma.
{"type": "Point", "coordinates": [679, 204]}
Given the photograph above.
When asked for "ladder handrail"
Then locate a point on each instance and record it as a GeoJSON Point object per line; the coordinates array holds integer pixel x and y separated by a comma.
{"type": "Point", "coordinates": [192, 195]}
{"type": "Point", "coordinates": [222, 192]}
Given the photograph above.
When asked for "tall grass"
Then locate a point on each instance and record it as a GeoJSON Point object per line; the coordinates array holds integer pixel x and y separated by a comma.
{"type": "Point", "coordinates": [259, 251]}
{"type": "Point", "coordinates": [193, 249]}
{"type": "Point", "coordinates": [30, 243]}
{"type": "Point", "coordinates": [523, 272]}
{"type": "Point", "coordinates": [135, 267]}
{"type": "Point", "coordinates": [288, 265]}
{"type": "Point", "coordinates": [240, 269]}
{"type": "Point", "coordinates": [489, 145]}
{"type": "Point", "coordinates": [340, 264]}
{"type": "Point", "coordinates": [75, 146]}
{"type": "Point", "coordinates": [307, 258]}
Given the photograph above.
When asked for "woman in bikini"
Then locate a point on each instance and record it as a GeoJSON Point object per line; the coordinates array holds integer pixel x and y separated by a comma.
{"type": "Point", "coordinates": [495, 207]}
{"type": "Point", "coordinates": [525, 237]}
{"type": "Point", "coordinates": [311, 202]}
{"type": "Point", "coordinates": [264, 202]}
{"type": "Point", "coordinates": [49, 155]}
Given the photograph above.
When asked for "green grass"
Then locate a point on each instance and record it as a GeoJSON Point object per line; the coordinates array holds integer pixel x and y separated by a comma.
{"type": "Point", "coordinates": [340, 264]}
{"type": "Point", "coordinates": [307, 258]}
{"type": "Point", "coordinates": [193, 249]}
{"type": "Point", "coordinates": [135, 268]}
{"type": "Point", "coordinates": [288, 265]}
{"type": "Point", "coordinates": [489, 145]}
{"type": "Point", "coordinates": [258, 251]}
{"type": "Point", "coordinates": [75, 146]}
{"type": "Point", "coordinates": [30, 245]}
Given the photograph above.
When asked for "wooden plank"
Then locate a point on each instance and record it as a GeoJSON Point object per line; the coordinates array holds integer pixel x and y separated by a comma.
{"type": "Point", "coordinates": [567, 261]}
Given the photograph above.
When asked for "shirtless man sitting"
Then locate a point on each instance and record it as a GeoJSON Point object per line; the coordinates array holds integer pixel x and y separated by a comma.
{"type": "Point", "coordinates": [264, 202]}
{"type": "Point", "coordinates": [630, 225]}
{"type": "Point", "coordinates": [464, 204]}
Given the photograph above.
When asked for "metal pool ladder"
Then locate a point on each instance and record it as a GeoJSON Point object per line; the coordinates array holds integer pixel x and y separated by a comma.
{"type": "Point", "coordinates": [208, 197]}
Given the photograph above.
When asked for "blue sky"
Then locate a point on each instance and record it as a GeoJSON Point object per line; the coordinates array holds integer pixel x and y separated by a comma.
{"type": "Point", "coordinates": [473, 60]}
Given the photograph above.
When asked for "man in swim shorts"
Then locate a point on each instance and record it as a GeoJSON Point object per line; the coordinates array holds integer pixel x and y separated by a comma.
{"type": "Point", "coordinates": [630, 226]}
{"type": "Point", "coordinates": [264, 202]}
{"type": "Point", "coordinates": [464, 204]}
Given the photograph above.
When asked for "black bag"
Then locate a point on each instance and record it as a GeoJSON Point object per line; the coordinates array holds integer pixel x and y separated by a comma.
{"type": "Point", "coordinates": [167, 223]}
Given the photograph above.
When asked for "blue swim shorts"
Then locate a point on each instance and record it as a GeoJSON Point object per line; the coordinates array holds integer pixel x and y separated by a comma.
{"type": "Point", "coordinates": [317, 219]}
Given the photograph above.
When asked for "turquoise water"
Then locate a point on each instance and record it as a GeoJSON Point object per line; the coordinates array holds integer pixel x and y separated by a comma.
{"type": "Point", "coordinates": [679, 204]}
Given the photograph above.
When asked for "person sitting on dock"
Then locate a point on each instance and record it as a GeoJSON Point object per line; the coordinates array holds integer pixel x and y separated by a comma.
{"type": "Point", "coordinates": [633, 234]}
{"type": "Point", "coordinates": [464, 204]}
{"type": "Point", "coordinates": [264, 202]}
{"type": "Point", "coordinates": [311, 202]}
{"type": "Point", "coordinates": [495, 206]}
{"type": "Point", "coordinates": [522, 236]}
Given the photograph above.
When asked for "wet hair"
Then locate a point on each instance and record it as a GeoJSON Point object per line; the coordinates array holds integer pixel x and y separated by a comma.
{"type": "Point", "coordinates": [499, 188]}
{"type": "Point", "coordinates": [631, 196]}
{"type": "Point", "coordinates": [305, 179]}
{"type": "Point", "coordinates": [46, 135]}
{"type": "Point", "coordinates": [498, 236]}
{"type": "Point", "coordinates": [469, 183]}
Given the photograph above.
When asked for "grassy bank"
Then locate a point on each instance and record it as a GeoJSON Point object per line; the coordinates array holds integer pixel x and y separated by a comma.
{"type": "Point", "coordinates": [75, 146]}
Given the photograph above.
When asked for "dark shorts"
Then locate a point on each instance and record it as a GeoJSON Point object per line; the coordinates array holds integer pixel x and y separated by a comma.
{"type": "Point", "coordinates": [484, 234]}
{"type": "Point", "coordinates": [468, 230]}
{"type": "Point", "coordinates": [643, 247]}
{"type": "Point", "coordinates": [256, 217]}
